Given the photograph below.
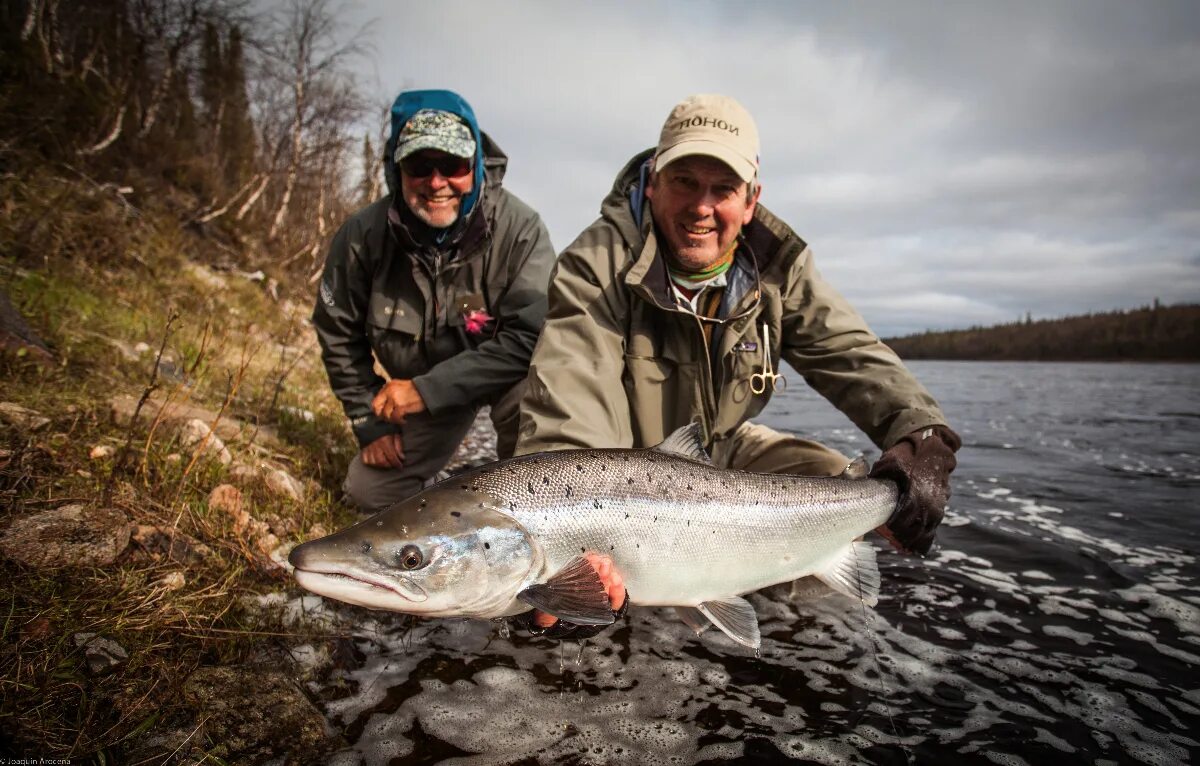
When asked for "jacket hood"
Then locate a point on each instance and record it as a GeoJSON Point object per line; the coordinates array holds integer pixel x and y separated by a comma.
{"type": "Point", "coordinates": [409, 103]}
{"type": "Point", "coordinates": [625, 205]}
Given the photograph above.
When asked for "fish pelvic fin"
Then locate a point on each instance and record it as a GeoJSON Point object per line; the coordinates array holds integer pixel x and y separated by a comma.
{"type": "Point", "coordinates": [685, 442]}
{"type": "Point", "coordinates": [693, 618]}
{"type": "Point", "coordinates": [857, 469]}
{"type": "Point", "coordinates": [574, 594]}
{"type": "Point", "coordinates": [736, 618]}
{"type": "Point", "coordinates": [854, 573]}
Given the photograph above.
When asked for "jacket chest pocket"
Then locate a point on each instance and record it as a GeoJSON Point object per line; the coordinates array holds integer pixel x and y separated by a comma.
{"type": "Point", "coordinates": [395, 329]}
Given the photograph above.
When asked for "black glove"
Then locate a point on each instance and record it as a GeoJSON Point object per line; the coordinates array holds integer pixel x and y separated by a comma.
{"type": "Point", "coordinates": [563, 629]}
{"type": "Point", "coordinates": [920, 465]}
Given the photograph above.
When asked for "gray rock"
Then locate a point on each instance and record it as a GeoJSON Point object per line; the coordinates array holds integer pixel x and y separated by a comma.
{"type": "Point", "coordinates": [22, 417]}
{"type": "Point", "coordinates": [103, 655]}
{"type": "Point", "coordinates": [72, 535]}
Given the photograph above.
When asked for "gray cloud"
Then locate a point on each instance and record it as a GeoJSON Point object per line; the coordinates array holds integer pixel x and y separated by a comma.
{"type": "Point", "coordinates": [950, 164]}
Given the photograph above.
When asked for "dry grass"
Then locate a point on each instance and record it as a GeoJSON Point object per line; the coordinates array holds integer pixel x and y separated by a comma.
{"type": "Point", "coordinates": [95, 278]}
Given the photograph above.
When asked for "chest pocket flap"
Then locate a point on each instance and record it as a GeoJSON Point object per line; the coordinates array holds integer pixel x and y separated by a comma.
{"type": "Point", "coordinates": [390, 314]}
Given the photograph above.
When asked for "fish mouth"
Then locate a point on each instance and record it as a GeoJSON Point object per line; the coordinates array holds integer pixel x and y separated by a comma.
{"type": "Point", "coordinates": [360, 588]}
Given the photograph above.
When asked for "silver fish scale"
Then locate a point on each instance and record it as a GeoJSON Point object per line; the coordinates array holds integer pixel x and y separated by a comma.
{"type": "Point", "coordinates": [674, 526]}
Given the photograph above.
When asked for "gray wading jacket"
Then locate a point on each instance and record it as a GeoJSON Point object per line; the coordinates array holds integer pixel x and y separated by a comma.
{"type": "Point", "coordinates": [384, 295]}
{"type": "Point", "coordinates": [620, 365]}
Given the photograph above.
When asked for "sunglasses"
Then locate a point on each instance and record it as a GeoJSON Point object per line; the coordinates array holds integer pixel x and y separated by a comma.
{"type": "Point", "coordinates": [448, 166]}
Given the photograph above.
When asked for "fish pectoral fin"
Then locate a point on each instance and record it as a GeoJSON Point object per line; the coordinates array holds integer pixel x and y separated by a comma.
{"type": "Point", "coordinates": [574, 594]}
{"type": "Point", "coordinates": [693, 618]}
{"type": "Point", "coordinates": [736, 618]}
{"type": "Point", "coordinates": [854, 573]}
{"type": "Point", "coordinates": [686, 442]}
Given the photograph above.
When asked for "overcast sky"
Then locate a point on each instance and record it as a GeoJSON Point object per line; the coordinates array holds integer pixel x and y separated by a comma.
{"type": "Point", "coordinates": [950, 164]}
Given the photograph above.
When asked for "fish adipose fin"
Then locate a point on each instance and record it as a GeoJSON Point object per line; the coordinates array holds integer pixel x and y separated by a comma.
{"type": "Point", "coordinates": [736, 617]}
{"type": "Point", "coordinates": [854, 573]}
{"type": "Point", "coordinates": [575, 594]}
{"type": "Point", "coordinates": [685, 442]}
{"type": "Point", "coordinates": [693, 618]}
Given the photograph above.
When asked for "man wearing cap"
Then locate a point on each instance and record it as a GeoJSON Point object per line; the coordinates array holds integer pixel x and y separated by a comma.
{"type": "Point", "coordinates": [679, 303]}
{"type": "Point", "coordinates": [443, 282]}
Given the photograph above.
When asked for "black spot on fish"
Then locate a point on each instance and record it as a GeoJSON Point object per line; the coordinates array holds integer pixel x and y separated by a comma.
{"type": "Point", "coordinates": [512, 506]}
{"type": "Point", "coordinates": [690, 488]}
{"type": "Point", "coordinates": [455, 514]}
{"type": "Point", "coordinates": [488, 546]}
{"type": "Point", "coordinates": [545, 479]}
{"type": "Point", "coordinates": [530, 485]}
{"type": "Point", "coordinates": [629, 480]}
{"type": "Point", "coordinates": [424, 502]}
{"type": "Point", "coordinates": [626, 515]}
{"type": "Point", "coordinates": [579, 467]}
{"type": "Point", "coordinates": [582, 549]}
{"type": "Point", "coordinates": [596, 503]}
{"type": "Point", "coordinates": [568, 491]}
{"type": "Point", "coordinates": [464, 486]}
{"type": "Point", "coordinates": [366, 547]}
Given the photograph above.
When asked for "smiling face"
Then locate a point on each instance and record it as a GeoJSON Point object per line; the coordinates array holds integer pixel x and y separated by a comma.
{"type": "Point", "coordinates": [700, 205]}
{"type": "Point", "coordinates": [435, 198]}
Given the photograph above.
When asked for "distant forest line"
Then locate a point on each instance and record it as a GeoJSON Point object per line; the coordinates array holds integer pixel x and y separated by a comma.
{"type": "Point", "coordinates": [1153, 333]}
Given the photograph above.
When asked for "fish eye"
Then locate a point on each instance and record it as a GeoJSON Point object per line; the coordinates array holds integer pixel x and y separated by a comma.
{"type": "Point", "coordinates": [410, 557]}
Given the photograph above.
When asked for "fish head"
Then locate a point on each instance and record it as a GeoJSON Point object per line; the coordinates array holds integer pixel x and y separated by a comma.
{"type": "Point", "coordinates": [448, 551]}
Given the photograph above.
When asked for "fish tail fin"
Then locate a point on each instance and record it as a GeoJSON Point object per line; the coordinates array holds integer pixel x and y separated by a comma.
{"type": "Point", "coordinates": [856, 469]}
{"type": "Point", "coordinates": [854, 573]}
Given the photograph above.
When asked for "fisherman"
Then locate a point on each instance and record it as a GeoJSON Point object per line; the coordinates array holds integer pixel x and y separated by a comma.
{"type": "Point", "coordinates": [679, 305]}
{"type": "Point", "coordinates": [443, 281]}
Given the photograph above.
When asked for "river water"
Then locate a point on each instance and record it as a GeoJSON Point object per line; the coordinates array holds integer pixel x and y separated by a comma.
{"type": "Point", "coordinates": [1058, 617]}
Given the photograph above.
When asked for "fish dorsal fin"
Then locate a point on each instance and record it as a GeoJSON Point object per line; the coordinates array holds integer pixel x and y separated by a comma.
{"type": "Point", "coordinates": [574, 594]}
{"type": "Point", "coordinates": [736, 618]}
{"type": "Point", "coordinates": [857, 469]}
{"type": "Point", "coordinates": [693, 618]}
{"type": "Point", "coordinates": [854, 573]}
{"type": "Point", "coordinates": [685, 442]}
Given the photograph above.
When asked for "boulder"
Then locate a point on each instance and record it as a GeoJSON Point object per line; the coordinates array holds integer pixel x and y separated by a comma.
{"type": "Point", "coordinates": [71, 535]}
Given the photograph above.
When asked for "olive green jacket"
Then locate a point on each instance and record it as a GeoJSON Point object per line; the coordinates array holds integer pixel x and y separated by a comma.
{"type": "Point", "coordinates": [619, 365]}
{"type": "Point", "coordinates": [385, 295]}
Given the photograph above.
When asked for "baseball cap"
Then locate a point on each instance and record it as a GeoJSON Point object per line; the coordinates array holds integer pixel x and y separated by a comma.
{"type": "Point", "coordinates": [713, 125]}
{"type": "Point", "coordinates": [435, 129]}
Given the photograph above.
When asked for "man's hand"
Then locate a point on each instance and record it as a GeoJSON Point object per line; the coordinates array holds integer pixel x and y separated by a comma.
{"type": "Point", "coordinates": [920, 464]}
{"type": "Point", "coordinates": [614, 585]}
{"type": "Point", "coordinates": [396, 400]}
{"type": "Point", "coordinates": [385, 452]}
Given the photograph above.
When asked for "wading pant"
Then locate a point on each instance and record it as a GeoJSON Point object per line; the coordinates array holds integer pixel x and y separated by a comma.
{"type": "Point", "coordinates": [429, 442]}
{"type": "Point", "coordinates": [760, 449]}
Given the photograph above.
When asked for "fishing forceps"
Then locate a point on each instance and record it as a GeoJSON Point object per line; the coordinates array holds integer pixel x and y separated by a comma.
{"type": "Point", "coordinates": [758, 380]}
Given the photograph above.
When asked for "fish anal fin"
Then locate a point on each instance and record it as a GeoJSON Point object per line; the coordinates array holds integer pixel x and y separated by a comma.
{"type": "Point", "coordinates": [693, 618]}
{"type": "Point", "coordinates": [685, 442]}
{"type": "Point", "coordinates": [736, 618]}
{"type": "Point", "coordinates": [575, 594]}
{"type": "Point", "coordinates": [854, 573]}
